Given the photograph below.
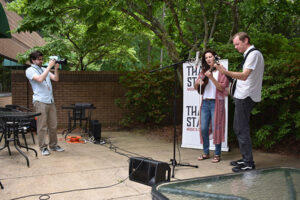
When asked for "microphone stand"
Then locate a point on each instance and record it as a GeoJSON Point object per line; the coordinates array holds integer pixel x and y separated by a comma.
{"type": "Point", "coordinates": [173, 161]}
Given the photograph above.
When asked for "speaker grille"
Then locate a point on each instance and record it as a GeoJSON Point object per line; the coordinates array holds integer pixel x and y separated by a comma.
{"type": "Point", "coordinates": [147, 171]}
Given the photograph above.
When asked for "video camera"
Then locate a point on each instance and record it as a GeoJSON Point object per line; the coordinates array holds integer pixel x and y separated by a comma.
{"type": "Point", "coordinates": [58, 60]}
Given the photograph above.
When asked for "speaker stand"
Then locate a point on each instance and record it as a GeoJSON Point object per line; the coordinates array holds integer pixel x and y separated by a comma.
{"type": "Point", "coordinates": [173, 160]}
{"type": "Point", "coordinates": [99, 142]}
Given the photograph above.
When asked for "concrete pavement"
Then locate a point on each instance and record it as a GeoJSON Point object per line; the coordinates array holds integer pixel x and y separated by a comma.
{"type": "Point", "coordinates": [93, 171]}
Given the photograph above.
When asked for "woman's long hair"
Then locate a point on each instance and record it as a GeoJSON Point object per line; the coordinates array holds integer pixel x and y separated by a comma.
{"type": "Point", "coordinates": [204, 64]}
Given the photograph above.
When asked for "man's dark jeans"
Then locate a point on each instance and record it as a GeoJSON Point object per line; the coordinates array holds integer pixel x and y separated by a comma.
{"type": "Point", "coordinates": [241, 127]}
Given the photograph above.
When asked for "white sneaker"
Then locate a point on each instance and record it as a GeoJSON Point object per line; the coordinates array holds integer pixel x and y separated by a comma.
{"type": "Point", "coordinates": [45, 152]}
{"type": "Point", "coordinates": [57, 148]}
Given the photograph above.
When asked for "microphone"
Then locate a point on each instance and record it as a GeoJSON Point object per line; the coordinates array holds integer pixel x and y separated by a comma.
{"type": "Point", "coordinates": [197, 61]}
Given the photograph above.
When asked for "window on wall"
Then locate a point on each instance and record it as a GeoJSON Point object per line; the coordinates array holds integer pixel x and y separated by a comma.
{"type": "Point", "coordinates": [6, 67]}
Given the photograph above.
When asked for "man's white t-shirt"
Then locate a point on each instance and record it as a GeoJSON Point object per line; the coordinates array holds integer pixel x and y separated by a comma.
{"type": "Point", "coordinates": [252, 86]}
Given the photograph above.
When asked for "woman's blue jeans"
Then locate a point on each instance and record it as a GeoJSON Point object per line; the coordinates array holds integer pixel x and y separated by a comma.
{"type": "Point", "coordinates": [207, 116]}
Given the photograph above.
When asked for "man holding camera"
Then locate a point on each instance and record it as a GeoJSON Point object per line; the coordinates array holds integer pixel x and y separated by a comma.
{"type": "Point", "coordinates": [43, 101]}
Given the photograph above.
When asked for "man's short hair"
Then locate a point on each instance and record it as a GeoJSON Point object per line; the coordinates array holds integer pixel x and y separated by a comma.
{"type": "Point", "coordinates": [242, 36]}
{"type": "Point", "coordinates": [35, 55]}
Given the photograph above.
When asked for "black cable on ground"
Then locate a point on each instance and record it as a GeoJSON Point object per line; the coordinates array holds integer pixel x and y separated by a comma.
{"type": "Point", "coordinates": [41, 196]}
{"type": "Point", "coordinates": [111, 147]}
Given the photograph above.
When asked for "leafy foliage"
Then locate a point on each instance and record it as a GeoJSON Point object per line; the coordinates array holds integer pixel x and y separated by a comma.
{"type": "Point", "coordinates": [148, 96]}
{"type": "Point", "coordinates": [278, 115]}
{"type": "Point", "coordinates": [273, 16]}
{"type": "Point", "coordinates": [125, 35]}
{"type": "Point", "coordinates": [83, 35]}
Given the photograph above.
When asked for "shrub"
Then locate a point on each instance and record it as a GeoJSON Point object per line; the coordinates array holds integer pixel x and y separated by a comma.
{"type": "Point", "coordinates": [148, 97]}
{"type": "Point", "coordinates": [278, 115]}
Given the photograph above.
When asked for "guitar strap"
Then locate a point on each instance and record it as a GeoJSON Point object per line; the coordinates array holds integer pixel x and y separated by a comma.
{"type": "Point", "coordinates": [241, 65]}
{"type": "Point", "coordinates": [244, 60]}
{"type": "Point", "coordinates": [232, 80]}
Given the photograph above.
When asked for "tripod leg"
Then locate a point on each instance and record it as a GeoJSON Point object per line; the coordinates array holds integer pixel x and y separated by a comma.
{"type": "Point", "coordinates": [1, 185]}
{"type": "Point", "coordinates": [173, 163]}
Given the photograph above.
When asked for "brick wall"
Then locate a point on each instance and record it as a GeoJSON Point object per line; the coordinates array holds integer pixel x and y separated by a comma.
{"type": "Point", "coordinates": [99, 88]}
{"type": "Point", "coordinates": [4, 100]}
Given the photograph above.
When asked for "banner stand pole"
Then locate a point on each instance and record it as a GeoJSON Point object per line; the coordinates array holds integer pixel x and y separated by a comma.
{"type": "Point", "coordinates": [173, 160]}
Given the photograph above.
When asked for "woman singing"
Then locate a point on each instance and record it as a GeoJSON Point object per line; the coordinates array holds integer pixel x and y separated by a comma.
{"type": "Point", "coordinates": [213, 86]}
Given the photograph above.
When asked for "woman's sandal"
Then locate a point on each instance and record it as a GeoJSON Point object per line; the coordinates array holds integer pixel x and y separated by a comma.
{"type": "Point", "coordinates": [203, 157]}
{"type": "Point", "coordinates": [216, 159]}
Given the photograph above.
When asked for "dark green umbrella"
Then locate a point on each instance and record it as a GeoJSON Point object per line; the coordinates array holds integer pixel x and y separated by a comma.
{"type": "Point", "coordinates": [4, 26]}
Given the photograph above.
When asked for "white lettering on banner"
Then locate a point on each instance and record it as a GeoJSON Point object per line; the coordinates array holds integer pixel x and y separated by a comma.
{"type": "Point", "coordinates": [191, 109]}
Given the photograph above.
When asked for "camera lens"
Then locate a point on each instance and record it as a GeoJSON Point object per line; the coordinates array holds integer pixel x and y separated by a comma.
{"type": "Point", "coordinates": [62, 62]}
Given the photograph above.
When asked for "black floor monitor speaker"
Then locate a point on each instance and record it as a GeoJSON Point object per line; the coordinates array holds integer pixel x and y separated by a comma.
{"type": "Point", "coordinates": [95, 129]}
{"type": "Point", "coordinates": [148, 172]}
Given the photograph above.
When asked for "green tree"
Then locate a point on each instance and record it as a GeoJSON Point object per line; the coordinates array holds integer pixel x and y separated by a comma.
{"type": "Point", "coordinates": [277, 117]}
{"type": "Point", "coordinates": [74, 31]}
{"type": "Point", "coordinates": [128, 35]}
{"type": "Point", "coordinates": [272, 16]}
